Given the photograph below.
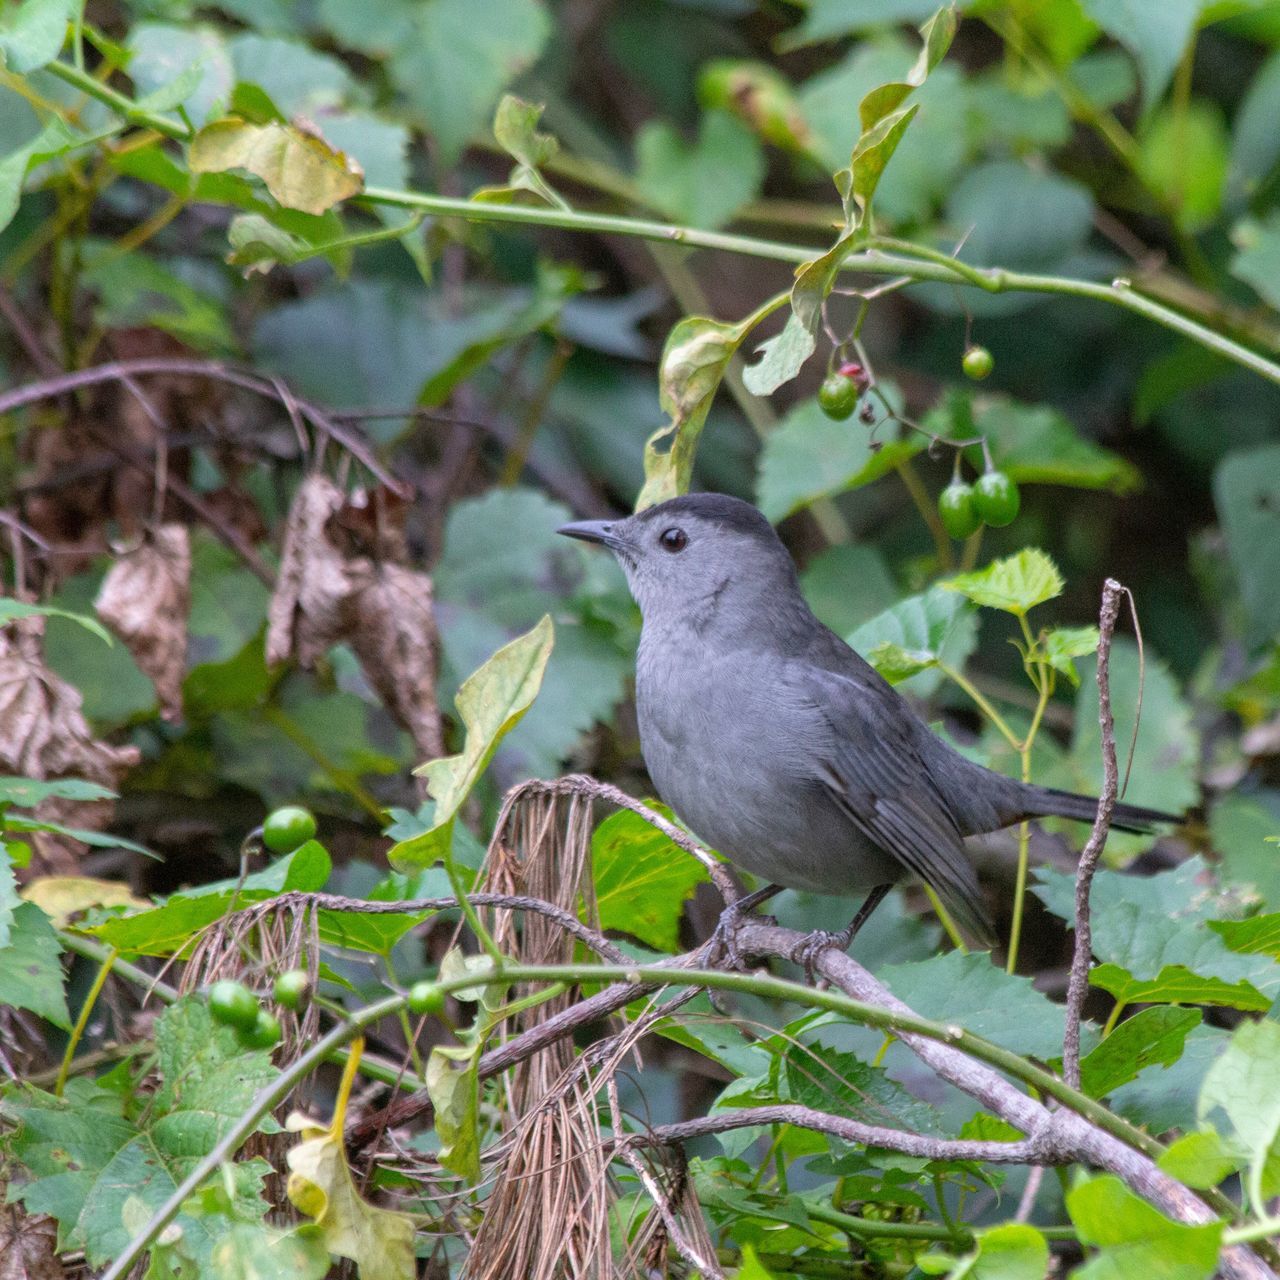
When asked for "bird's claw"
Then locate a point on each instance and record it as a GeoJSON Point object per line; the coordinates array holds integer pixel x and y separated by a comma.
{"type": "Point", "coordinates": [806, 952]}
{"type": "Point", "coordinates": [724, 939]}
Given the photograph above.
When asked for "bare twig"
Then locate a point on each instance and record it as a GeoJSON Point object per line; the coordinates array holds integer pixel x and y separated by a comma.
{"type": "Point", "coordinates": [1082, 954]}
{"type": "Point", "coordinates": [119, 370]}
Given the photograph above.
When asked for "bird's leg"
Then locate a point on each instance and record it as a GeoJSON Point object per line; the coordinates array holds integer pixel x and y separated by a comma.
{"type": "Point", "coordinates": [819, 940]}
{"type": "Point", "coordinates": [724, 939]}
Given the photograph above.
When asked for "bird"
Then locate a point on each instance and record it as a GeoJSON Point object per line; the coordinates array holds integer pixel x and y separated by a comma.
{"type": "Point", "coordinates": [778, 745]}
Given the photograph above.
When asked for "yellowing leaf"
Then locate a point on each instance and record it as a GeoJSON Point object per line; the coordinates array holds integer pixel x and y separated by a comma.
{"type": "Point", "coordinates": [1015, 584]}
{"type": "Point", "coordinates": [490, 703]}
{"type": "Point", "coordinates": [379, 1241]}
{"type": "Point", "coordinates": [300, 168]}
{"type": "Point", "coordinates": [454, 1085]}
{"type": "Point", "coordinates": [61, 897]}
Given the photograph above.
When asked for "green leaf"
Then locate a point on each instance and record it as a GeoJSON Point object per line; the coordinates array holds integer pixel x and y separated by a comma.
{"type": "Point", "coordinates": [1135, 1239]}
{"type": "Point", "coordinates": [642, 881]}
{"type": "Point", "coordinates": [516, 131]}
{"type": "Point", "coordinates": [1246, 492]}
{"type": "Point", "coordinates": [1176, 984]}
{"type": "Point", "coordinates": [1257, 258]}
{"type": "Point", "coordinates": [808, 456]}
{"type": "Point", "coordinates": [827, 19]}
{"type": "Point", "coordinates": [1200, 1159]}
{"type": "Point", "coordinates": [1255, 144]}
{"type": "Point", "coordinates": [9, 900]}
{"type": "Point", "coordinates": [697, 352]}
{"type": "Point", "coordinates": [1183, 157]}
{"type": "Point", "coordinates": [1153, 1036]}
{"type": "Point", "coordinates": [257, 244]}
{"type": "Point", "coordinates": [920, 631]}
{"type": "Point", "coordinates": [1155, 36]}
{"type": "Point", "coordinates": [781, 357]}
{"type": "Point", "coordinates": [971, 991]}
{"type": "Point", "coordinates": [490, 703]}
{"type": "Point", "coordinates": [1243, 1084]}
{"type": "Point", "coordinates": [298, 79]}
{"type": "Point", "coordinates": [255, 1251]}
{"type": "Point", "coordinates": [1015, 584]}
{"type": "Point", "coordinates": [31, 967]}
{"type": "Point", "coordinates": [29, 792]}
{"type": "Point", "coordinates": [161, 54]}
{"type": "Point", "coordinates": [1032, 444]}
{"type": "Point", "coordinates": [300, 169]}
{"type": "Point", "coordinates": [1259, 935]}
{"type": "Point", "coordinates": [847, 585]}
{"type": "Point", "coordinates": [1240, 826]}
{"type": "Point", "coordinates": [1063, 645]}
{"type": "Point", "coordinates": [56, 138]}
{"type": "Point", "coordinates": [704, 183]}
{"type": "Point", "coordinates": [1167, 754]}
{"type": "Point", "coordinates": [452, 68]}
{"type": "Point", "coordinates": [32, 33]}
{"type": "Point", "coordinates": [10, 609]}
{"type": "Point", "coordinates": [454, 1086]}
{"type": "Point", "coordinates": [1013, 1251]}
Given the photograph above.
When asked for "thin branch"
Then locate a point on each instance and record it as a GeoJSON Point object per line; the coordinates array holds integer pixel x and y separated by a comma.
{"type": "Point", "coordinates": [1024, 1151]}
{"type": "Point", "coordinates": [271, 388]}
{"type": "Point", "coordinates": [1082, 954]}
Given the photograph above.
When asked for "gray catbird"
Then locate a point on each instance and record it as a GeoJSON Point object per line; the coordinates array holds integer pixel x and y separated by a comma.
{"type": "Point", "coordinates": [776, 743]}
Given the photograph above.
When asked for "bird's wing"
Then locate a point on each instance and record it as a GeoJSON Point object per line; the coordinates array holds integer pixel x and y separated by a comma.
{"type": "Point", "coordinates": [870, 765]}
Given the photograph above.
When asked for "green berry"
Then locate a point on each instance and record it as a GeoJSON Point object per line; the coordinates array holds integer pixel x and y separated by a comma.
{"type": "Point", "coordinates": [838, 396]}
{"type": "Point", "coordinates": [957, 511]}
{"type": "Point", "coordinates": [291, 989]}
{"type": "Point", "coordinates": [426, 997]}
{"type": "Point", "coordinates": [285, 829]}
{"type": "Point", "coordinates": [263, 1034]}
{"type": "Point", "coordinates": [978, 363]}
{"type": "Point", "coordinates": [995, 497]}
{"type": "Point", "coordinates": [233, 1004]}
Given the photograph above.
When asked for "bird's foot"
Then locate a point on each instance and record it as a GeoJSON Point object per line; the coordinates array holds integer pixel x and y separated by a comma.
{"type": "Point", "coordinates": [807, 951]}
{"type": "Point", "coordinates": [723, 944]}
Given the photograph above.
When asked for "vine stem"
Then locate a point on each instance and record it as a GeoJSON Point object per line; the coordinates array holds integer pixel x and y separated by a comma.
{"type": "Point", "coordinates": [104, 971]}
{"type": "Point", "coordinates": [1119, 292]}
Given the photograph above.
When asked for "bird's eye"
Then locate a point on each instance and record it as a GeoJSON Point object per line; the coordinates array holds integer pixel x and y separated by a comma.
{"type": "Point", "coordinates": [673, 540]}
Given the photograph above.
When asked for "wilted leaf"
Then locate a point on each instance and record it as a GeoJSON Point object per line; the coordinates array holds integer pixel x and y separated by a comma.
{"type": "Point", "coordinates": [28, 1246]}
{"type": "Point", "coordinates": [642, 880]}
{"type": "Point", "coordinates": [1015, 584]}
{"type": "Point", "coordinates": [760, 96]}
{"type": "Point", "coordinates": [515, 127]}
{"type": "Point", "coordinates": [299, 167]}
{"type": "Point", "coordinates": [61, 897]}
{"type": "Point", "coordinates": [694, 359]}
{"type": "Point", "coordinates": [454, 1086]}
{"type": "Point", "coordinates": [1136, 1239]}
{"type": "Point", "coordinates": [43, 735]}
{"type": "Point", "coordinates": [489, 703]}
{"type": "Point", "coordinates": [145, 599]}
{"type": "Point", "coordinates": [304, 619]}
{"type": "Point", "coordinates": [781, 357]}
{"type": "Point", "coordinates": [393, 633]}
{"type": "Point", "coordinates": [1153, 1036]}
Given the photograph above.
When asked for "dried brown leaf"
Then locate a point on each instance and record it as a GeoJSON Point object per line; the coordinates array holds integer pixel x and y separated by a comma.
{"type": "Point", "coordinates": [28, 1246]}
{"type": "Point", "coordinates": [145, 599]}
{"type": "Point", "coordinates": [306, 614]}
{"type": "Point", "coordinates": [43, 734]}
{"type": "Point", "coordinates": [393, 633]}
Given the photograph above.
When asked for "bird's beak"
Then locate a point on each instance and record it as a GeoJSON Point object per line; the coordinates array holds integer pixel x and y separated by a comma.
{"type": "Point", "coordinates": [600, 531]}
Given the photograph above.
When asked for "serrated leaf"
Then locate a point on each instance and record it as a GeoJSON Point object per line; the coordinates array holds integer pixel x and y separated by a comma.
{"type": "Point", "coordinates": [31, 967]}
{"type": "Point", "coordinates": [1259, 935]}
{"type": "Point", "coordinates": [1135, 1239]}
{"type": "Point", "coordinates": [300, 169]}
{"type": "Point", "coordinates": [1176, 984]}
{"type": "Point", "coordinates": [490, 703]}
{"type": "Point", "coordinates": [808, 456]}
{"type": "Point", "coordinates": [642, 881]}
{"type": "Point", "coordinates": [697, 352]}
{"type": "Point", "coordinates": [923, 630]}
{"type": "Point", "coordinates": [1015, 585]}
{"type": "Point", "coordinates": [1200, 1159]}
{"type": "Point", "coordinates": [1063, 645]}
{"type": "Point", "coordinates": [1242, 1083]}
{"type": "Point", "coordinates": [1152, 1036]}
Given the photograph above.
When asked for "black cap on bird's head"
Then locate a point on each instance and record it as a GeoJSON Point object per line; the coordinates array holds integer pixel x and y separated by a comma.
{"type": "Point", "coordinates": [700, 548]}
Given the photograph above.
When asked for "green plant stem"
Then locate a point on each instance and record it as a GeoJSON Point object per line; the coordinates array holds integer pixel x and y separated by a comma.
{"type": "Point", "coordinates": [928, 512]}
{"type": "Point", "coordinates": [1119, 293]}
{"type": "Point", "coordinates": [105, 966]}
{"type": "Point", "coordinates": [1044, 687]}
{"type": "Point", "coordinates": [267, 1099]}
{"type": "Point", "coordinates": [983, 704]}
{"type": "Point", "coordinates": [1252, 1231]}
{"type": "Point", "coordinates": [871, 1229]}
{"type": "Point", "coordinates": [948, 924]}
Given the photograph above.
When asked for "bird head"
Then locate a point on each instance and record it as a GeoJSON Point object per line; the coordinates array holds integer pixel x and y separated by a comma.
{"type": "Point", "coordinates": [695, 557]}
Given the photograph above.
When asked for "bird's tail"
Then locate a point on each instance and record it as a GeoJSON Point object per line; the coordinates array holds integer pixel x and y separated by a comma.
{"type": "Point", "coordinates": [1045, 802]}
